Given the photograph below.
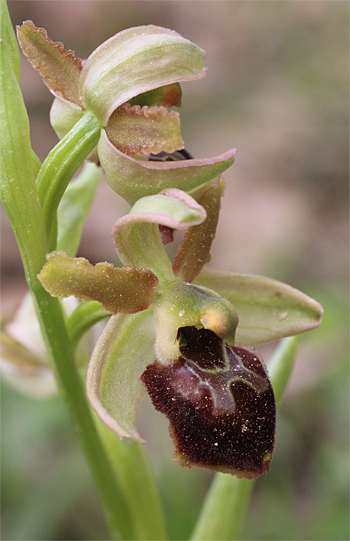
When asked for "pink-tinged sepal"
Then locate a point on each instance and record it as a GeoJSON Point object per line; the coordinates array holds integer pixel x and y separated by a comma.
{"type": "Point", "coordinates": [133, 179]}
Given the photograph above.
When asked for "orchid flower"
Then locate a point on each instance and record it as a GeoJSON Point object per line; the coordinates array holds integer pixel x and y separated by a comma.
{"type": "Point", "coordinates": [24, 363]}
{"type": "Point", "coordinates": [177, 331]}
{"type": "Point", "coordinates": [123, 91]}
{"type": "Point", "coordinates": [182, 333]}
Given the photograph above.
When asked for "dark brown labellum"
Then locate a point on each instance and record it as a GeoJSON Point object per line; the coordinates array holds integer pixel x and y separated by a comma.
{"type": "Point", "coordinates": [178, 155]}
{"type": "Point", "coordinates": [166, 234]}
{"type": "Point", "coordinates": [219, 402]}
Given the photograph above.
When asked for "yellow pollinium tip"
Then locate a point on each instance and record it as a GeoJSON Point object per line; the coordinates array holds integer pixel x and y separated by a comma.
{"type": "Point", "coordinates": [215, 321]}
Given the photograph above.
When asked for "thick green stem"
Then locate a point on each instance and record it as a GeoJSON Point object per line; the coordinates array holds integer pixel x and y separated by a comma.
{"type": "Point", "coordinates": [113, 501]}
{"type": "Point", "coordinates": [136, 479]}
{"type": "Point", "coordinates": [225, 507]}
{"type": "Point", "coordinates": [21, 202]}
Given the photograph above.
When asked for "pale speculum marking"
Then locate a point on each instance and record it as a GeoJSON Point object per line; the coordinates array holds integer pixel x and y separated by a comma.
{"type": "Point", "coordinates": [218, 380]}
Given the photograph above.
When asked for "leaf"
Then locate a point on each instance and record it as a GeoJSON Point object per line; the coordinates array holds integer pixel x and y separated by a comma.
{"type": "Point", "coordinates": [114, 387]}
{"type": "Point", "coordinates": [225, 506]}
{"type": "Point", "coordinates": [133, 179]}
{"type": "Point", "coordinates": [119, 290]}
{"type": "Point", "coordinates": [74, 206]}
{"type": "Point", "coordinates": [136, 130]}
{"type": "Point", "coordinates": [136, 235]}
{"type": "Point", "coordinates": [281, 365]}
{"type": "Point", "coordinates": [194, 252]}
{"type": "Point", "coordinates": [136, 476]}
{"type": "Point", "coordinates": [60, 69]}
{"type": "Point", "coordinates": [135, 61]}
{"type": "Point", "coordinates": [17, 165]}
{"type": "Point", "coordinates": [9, 38]}
{"type": "Point", "coordinates": [267, 309]}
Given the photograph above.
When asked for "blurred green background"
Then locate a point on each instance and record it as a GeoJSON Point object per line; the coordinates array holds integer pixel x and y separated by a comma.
{"type": "Point", "coordinates": [277, 90]}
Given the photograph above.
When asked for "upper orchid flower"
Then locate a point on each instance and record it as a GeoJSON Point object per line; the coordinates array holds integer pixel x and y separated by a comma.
{"type": "Point", "coordinates": [178, 340]}
{"type": "Point", "coordinates": [125, 88]}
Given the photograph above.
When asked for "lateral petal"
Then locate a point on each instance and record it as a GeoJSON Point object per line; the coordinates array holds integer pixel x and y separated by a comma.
{"type": "Point", "coordinates": [60, 69]}
{"type": "Point", "coordinates": [136, 130]}
{"type": "Point", "coordinates": [119, 290]}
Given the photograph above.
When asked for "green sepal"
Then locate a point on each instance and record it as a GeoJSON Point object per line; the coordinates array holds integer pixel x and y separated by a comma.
{"type": "Point", "coordinates": [194, 251]}
{"type": "Point", "coordinates": [114, 387]}
{"type": "Point", "coordinates": [135, 61]}
{"type": "Point", "coordinates": [187, 305]}
{"type": "Point", "coordinates": [136, 235]}
{"type": "Point", "coordinates": [133, 179]}
{"type": "Point", "coordinates": [119, 290]}
{"type": "Point", "coordinates": [64, 115]}
{"type": "Point", "coordinates": [268, 310]}
{"type": "Point", "coordinates": [74, 206]}
{"type": "Point", "coordinates": [60, 69]}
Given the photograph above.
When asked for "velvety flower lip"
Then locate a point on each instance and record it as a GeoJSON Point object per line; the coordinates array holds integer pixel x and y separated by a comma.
{"type": "Point", "coordinates": [219, 402]}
